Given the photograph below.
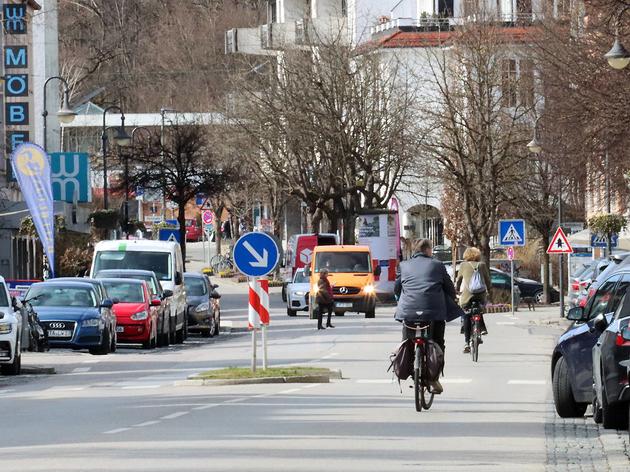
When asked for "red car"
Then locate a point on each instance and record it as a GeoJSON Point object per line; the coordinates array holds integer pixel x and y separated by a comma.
{"type": "Point", "coordinates": [194, 232]}
{"type": "Point", "coordinates": [136, 311]}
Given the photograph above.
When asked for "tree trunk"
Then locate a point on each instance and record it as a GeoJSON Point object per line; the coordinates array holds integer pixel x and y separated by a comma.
{"type": "Point", "coordinates": [181, 219]}
{"type": "Point", "coordinates": [349, 224]}
{"type": "Point", "coordinates": [217, 234]}
{"type": "Point", "coordinates": [484, 247]}
{"type": "Point", "coordinates": [316, 219]}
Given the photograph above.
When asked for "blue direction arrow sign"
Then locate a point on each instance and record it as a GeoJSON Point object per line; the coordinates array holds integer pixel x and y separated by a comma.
{"type": "Point", "coordinates": [169, 235]}
{"type": "Point", "coordinates": [256, 254]}
{"type": "Point", "coordinates": [512, 232]}
{"type": "Point", "coordinates": [599, 240]}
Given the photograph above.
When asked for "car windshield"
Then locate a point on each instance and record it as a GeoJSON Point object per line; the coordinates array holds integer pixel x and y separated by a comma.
{"type": "Point", "coordinates": [195, 286]}
{"type": "Point", "coordinates": [125, 292]}
{"type": "Point", "coordinates": [343, 261]}
{"type": "Point", "coordinates": [158, 262]}
{"type": "Point", "coordinates": [151, 282]}
{"type": "Point", "coordinates": [4, 301]}
{"type": "Point", "coordinates": [300, 278]}
{"type": "Point", "coordinates": [47, 295]}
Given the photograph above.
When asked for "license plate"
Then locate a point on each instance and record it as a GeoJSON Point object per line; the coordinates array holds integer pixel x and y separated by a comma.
{"type": "Point", "coordinates": [343, 305]}
{"type": "Point", "coordinates": [120, 329]}
{"type": "Point", "coordinates": [59, 333]}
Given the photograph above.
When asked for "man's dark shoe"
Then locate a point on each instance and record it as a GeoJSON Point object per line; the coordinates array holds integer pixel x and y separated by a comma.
{"type": "Point", "coordinates": [320, 327]}
{"type": "Point", "coordinates": [329, 325]}
{"type": "Point", "coordinates": [436, 387]}
{"type": "Point", "coordinates": [467, 349]}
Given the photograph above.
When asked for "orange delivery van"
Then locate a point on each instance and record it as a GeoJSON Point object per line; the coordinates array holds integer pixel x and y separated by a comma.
{"type": "Point", "coordinates": [351, 274]}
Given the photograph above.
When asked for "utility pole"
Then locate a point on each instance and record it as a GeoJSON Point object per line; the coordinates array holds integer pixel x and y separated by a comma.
{"type": "Point", "coordinates": [561, 265]}
{"type": "Point", "coordinates": [163, 112]}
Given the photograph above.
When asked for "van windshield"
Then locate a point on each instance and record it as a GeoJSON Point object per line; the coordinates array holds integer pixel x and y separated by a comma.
{"type": "Point", "coordinates": [343, 261]}
{"type": "Point", "coordinates": [158, 262]}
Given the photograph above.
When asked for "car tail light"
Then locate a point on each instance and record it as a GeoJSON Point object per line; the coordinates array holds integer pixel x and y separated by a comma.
{"type": "Point", "coordinates": [575, 286]}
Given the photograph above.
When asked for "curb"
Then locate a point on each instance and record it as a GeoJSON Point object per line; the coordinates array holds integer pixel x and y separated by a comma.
{"type": "Point", "coordinates": [194, 382]}
{"type": "Point", "coordinates": [32, 370]}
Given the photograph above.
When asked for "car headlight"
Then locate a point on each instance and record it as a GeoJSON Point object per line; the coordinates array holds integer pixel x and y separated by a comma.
{"type": "Point", "coordinates": [91, 323]}
{"type": "Point", "coordinates": [299, 293]}
{"type": "Point", "coordinates": [203, 307]}
{"type": "Point", "coordinates": [5, 328]}
{"type": "Point", "coordinates": [141, 315]}
{"type": "Point", "coordinates": [369, 289]}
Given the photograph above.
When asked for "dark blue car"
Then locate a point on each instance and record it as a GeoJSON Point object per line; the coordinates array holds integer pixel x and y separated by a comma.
{"type": "Point", "coordinates": [572, 360]}
{"type": "Point", "coordinates": [75, 314]}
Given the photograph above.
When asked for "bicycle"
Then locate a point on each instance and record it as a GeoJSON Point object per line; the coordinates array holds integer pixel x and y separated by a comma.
{"type": "Point", "coordinates": [475, 313]}
{"type": "Point", "coordinates": [221, 263]}
{"type": "Point", "coordinates": [422, 391]}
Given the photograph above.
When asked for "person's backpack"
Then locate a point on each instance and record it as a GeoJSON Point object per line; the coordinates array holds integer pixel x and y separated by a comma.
{"type": "Point", "coordinates": [435, 360]}
{"type": "Point", "coordinates": [402, 360]}
{"type": "Point", "coordinates": [476, 284]}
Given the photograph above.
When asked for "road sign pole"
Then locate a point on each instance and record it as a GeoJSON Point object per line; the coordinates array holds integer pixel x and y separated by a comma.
{"type": "Point", "coordinates": [263, 329]}
{"type": "Point", "coordinates": [254, 350]}
{"type": "Point", "coordinates": [561, 284]}
{"type": "Point", "coordinates": [512, 288]}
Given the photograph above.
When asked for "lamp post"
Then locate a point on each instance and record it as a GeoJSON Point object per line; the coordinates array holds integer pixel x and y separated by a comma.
{"type": "Point", "coordinates": [126, 206]}
{"type": "Point", "coordinates": [121, 139]}
{"type": "Point", "coordinates": [65, 113]}
{"type": "Point", "coordinates": [618, 57]}
{"type": "Point", "coordinates": [163, 112]}
{"type": "Point", "coordinates": [535, 147]}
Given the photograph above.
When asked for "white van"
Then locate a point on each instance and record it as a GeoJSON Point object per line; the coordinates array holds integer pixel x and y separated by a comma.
{"type": "Point", "coordinates": [162, 257]}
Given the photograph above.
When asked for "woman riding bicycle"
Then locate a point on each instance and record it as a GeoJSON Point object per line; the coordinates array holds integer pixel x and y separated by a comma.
{"type": "Point", "coordinates": [474, 282]}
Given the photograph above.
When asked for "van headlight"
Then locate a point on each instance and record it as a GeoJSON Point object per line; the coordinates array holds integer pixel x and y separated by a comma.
{"type": "Point", "coordinates": [91, 323]}
{"type": "Point", "coordinates": [299, 293]}
{"type": "Point", "coordinates": [5, 328]}
{"type": "Point", "coordinates": [369, 289]}
{"type": "Point", "coordinates": [141, 315]}
{"type": "Point", "coordinates": [203, 307]}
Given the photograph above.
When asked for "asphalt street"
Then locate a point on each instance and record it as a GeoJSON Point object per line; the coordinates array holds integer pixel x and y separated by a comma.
{"type": "Point", "coordinates": [128, 411]}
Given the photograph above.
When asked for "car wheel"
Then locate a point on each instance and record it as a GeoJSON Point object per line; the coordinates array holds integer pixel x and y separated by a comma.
{"type": "Point", "coordinates": [172, 330]}
{"type": "Point", "coordinates": [104, 347]}
{"type": "Point", "coordinates": [180, 335]}
{"type": "Point", "coordinates": [563, 398]}
{"type": "Point", "coordinates": [114, 344]}
{"type": "Point", "coordinates": [291, 312]}
{"type": "Point", "coordinates": [539, 297]}
{"type": "Point", "coordinates": [284, 293]}
{"type": "Point", "coordinates": [613, 416]}
{"type": "Point", "coordinates": [597, 411]}
{"type": "Point", "coordinates": [15, 367]}
{"type": "Point", "coordinates": [219, 323]}
{"type": "Point", "coordinates": [371, 313]}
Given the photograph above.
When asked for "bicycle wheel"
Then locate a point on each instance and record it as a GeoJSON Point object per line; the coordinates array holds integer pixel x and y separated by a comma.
{"type": "Point", "coordinates": [417, 380]}
{"type": "Point", "coordinates": [426, 397]}
{"type": "Point", "coordinates": [215, 262]}
{"type": "Point", "coordinates": [474, 348]}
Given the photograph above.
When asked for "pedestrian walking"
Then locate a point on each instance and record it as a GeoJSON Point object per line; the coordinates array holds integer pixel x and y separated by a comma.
{"type": "Point", "coordinates": [324, 299]}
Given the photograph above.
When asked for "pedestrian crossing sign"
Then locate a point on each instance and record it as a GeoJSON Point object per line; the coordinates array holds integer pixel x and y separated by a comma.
{"type": "Point", "coordinates": [559, 244]}
{"type": "Point", "coordinates": [512, 233]}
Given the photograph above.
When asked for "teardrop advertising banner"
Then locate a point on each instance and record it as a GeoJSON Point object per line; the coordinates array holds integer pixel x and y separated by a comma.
{"type": "Point", "coordinates": [31, 167]}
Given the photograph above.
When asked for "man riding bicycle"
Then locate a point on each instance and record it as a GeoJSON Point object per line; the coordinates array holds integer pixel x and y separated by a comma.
{"type": "Point", "coordinates": [474, 281]}
{"type": "Point", "coordinates": [426, 294]}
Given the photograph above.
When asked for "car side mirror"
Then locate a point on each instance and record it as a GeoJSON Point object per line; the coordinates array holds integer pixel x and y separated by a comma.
{"type": "Point", "coordinates": [377, 270]}
{"type": "Point", "coordinates": [167, 294]}
{"type": "Point", "coordinates": [600, 323]}
{"type": "Point", "coordinates": [178, 278]}
{"type": "Point", "coordinates": [576, 314]}
{"type": "Point", "coordinates": [214, 294]}
{"type": "Point", "coordinates": [215, 286]}
{"type": "Point", "coordinates": [156, 302]}
{"type": "Point", "coordinates": [625, 333]}
{"type": "Point", "coordinates": [107, 303]}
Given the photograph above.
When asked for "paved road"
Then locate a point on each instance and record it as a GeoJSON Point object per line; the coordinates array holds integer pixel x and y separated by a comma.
{"type": "Point", "coordinates": [125, 412]}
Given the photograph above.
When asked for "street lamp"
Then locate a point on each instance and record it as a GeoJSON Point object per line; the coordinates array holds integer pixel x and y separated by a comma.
{"type": "Point", "coordinates": [126, 206]}
{"type": "Point", "coordinates": [618, 57]}
{"type": "Point", "coordinates": [163, 112]}
{"type": "Point", "coordinates": [121, 138]}
{"type": "Point", "coordinates": [65, 113]}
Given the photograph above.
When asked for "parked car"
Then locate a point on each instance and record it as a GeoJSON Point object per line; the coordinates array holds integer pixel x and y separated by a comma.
{"type": "Point", "coordinates": [74, 315]}
{"type": "Point", "coordinates": [11, 324]}
{"type": "Point", "coordinates": [606, 268]}
{"type": "Point", "coordinates": [501, 283]}
{"type": "Point", "coordinates": [166, 328]}
{"type": "Point", "coordinates": [136, 311]}
{"type": "Point", "coordinates": [297, 293]}
{"type": "Point", "coordinates": [572, 359]}
{"type": "Point", "coordinates": [194, 231]}
{"type": "Point", "coordinates": [162, 257]}
{"type": "Point", "coordinates": [611, 357]}
{"type": "Point", "coordinates": [204, 306]}
{"type": "Point", "coordinates": [581, 281]}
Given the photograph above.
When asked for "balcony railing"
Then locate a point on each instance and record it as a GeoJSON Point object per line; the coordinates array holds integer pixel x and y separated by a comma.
{"type": "Point", "coordinates": [266, 36]}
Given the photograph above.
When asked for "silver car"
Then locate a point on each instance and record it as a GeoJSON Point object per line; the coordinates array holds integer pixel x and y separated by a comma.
{"type": "Point", "coordinates": [297, 293]}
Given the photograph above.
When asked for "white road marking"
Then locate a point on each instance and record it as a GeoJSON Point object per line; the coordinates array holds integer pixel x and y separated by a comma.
{"type": "Point", "coordinates": [235, 400]}
{"type": "Point", "coordinates": [328, 356]}
{"type": "Point", "coordinates": [116, 431]}
{"type": "Point", "coordinates": [312, 386]}
{"type": "Point", "coordinates": [455, 381]}
{"type": "Point", "coordinates": [90, 361]}
{"type": "Point", "coordinates": [292, 390]}
{"type": "Point", "coordinates": [146, 423]}
{"type": "Point", "coordinates": [64, 389]}
{"type": "Point", "coordinates": [6, 391]}
{"type": "Point", "coordinates": [505, 323]}
{"type": "Point", "coordinates": [138, 387]}
{"type": "Point", "coordinates": [527, 382]}
{"type": "Point", "coordinates": [172, 416]}
{"type": "Point", "coordinates": [206, 407]}
{"type": "Point", "coordinates": [374, 381]}
{"type": "Point", "coordinates": [81, 369]}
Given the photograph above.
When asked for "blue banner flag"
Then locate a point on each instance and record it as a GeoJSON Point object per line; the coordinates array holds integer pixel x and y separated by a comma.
{"type": "Point", "coordinates": [32, 171]}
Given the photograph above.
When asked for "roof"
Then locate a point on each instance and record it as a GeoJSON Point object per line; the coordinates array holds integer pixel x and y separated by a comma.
{"type": "Point", "coordinates": [342, 248]}
{"type": "Point", "coordinates": [123, 280]}
{"type": "Point", "coordinates": [87, 119]}
{"type": "Point", "coordinates": [132, 244]}
{"type": "Point", "coordinates": [423, 39]}
{"type": "Point", "coordinates": [67, 282]}
{"type": "Point", "coordinates": [125, 271]}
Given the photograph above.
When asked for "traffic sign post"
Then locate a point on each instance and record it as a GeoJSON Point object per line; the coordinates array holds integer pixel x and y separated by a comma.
{"type": "Point", "coordinates": [207, 217]}
{"type": "Point", "coordinates": [256, 255]}
{"type": "Point", "coordinates": [512, 233]}
{"type": "Point", "coordinates": [510, 255]}
{"type": "Point", "coordinates": [560, 244]}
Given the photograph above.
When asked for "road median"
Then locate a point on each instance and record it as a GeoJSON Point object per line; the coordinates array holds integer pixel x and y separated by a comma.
{"type": "Point", "coordinates": [244, 376]}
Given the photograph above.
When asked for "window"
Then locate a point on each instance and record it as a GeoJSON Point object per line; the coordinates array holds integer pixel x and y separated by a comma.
{"type": "Point", "coordinates": [526, 82]}
{"type": "Point", "coordinates": [620, 293]}
{"type": "Point", "coordinates": [509, 82]}
{"type": "Point", "coordinates": [4, 301]}
{"type": "Point", "coordinates": [499, 280]}
{"type": "Point", "coordinates": [344, 7]}
{"type": "Point", "coordinates": [343, 262]}
{"type": "Point", "coordinates": [158, 262]}
{"type": "Point", "coordinates": [45, 295]}
{"type": "Point", "coordinates": [601, 300]}
{"type": "Point", "coordinates": [126, 292]}
{"type": "Point", "coordinates": [195, 286]}
{"type": "Point", "coordinates": [272, 12]}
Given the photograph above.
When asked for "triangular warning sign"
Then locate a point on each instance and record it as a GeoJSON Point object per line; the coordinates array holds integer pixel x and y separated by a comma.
{"type": "Point", "coordinates": [172, 238]}
{"type": "Point", "coordinates": [512, 236]}
{"type": "Point", "coordinates": [559, 244]}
